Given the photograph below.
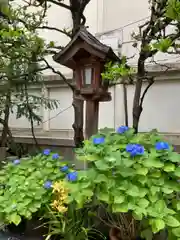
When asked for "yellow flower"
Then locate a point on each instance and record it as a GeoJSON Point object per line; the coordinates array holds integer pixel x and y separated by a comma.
{"type": "Point", "coordinates": [61, 194]}
{"type": "Point", "coordinates": [62, 209]}
{"type": "Point", "coordinates": [57, 186]}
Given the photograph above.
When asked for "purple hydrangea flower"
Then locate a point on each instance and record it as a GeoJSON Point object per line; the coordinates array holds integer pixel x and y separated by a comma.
{"type": "Point", "coordinates": [122, 129]}
{"type": "Point", "coordinates": [16, 162]}
{"type": "Point", "coordinates": [98, 140]}
{"type": "Point", "coordinates": [72, 176]}
{"type": "Point", "coordinates": [48, 184]}
{"type": "Point", "coordinates": [135, 149]}
{"type": "Point", "coordinates": [162, 146]}
{"type": "Point", "coordinates": [64, 169]}
{"type": "Point", "coordinates": [55, 156]}
{"type": "Point", "coordinates": [46, 152]}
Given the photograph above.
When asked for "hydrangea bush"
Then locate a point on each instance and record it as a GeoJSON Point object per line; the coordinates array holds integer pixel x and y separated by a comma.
{"type": "Point", "coordinates": [131, 173]}
{"type": "Point", "coordinates": [26, 185]}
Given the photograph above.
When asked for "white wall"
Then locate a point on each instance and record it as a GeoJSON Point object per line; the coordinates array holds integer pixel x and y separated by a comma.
{"type": "Point", "coordinates": [119, 19]}
{"type": "Point", "coordinates": [23, 121]}
{"type": "Point", "coordinates": [161, 110]}
{"type": "Point", "coordinates": [64, 119]}
{"type": "Point", "coordinates": [118, 13]}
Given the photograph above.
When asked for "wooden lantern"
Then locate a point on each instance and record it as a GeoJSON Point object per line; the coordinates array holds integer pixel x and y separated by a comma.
{"type": "Point", "coordinates": [87, 56]}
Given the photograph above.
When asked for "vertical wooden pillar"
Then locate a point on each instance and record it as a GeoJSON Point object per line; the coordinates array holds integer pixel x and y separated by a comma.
{"type": "Point", "coordinates": [92, 117]}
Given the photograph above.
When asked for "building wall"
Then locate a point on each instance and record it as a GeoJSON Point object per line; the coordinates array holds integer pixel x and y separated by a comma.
{"type": "Point", "coordinates": [161, 110]}
{"type": "Point", "coordinates": [118, 20]}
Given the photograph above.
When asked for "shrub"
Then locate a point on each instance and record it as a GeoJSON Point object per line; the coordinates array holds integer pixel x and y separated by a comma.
{"type": "Point", "coordinates": [26, 185]}
{"type": "Point", "coordinates": [131, 173]}
{"type": "Point", "coordinates": [67, 222]}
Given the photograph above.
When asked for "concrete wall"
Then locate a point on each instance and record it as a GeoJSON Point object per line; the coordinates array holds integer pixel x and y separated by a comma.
{"type": "Point", "coordinates": [161, 110]}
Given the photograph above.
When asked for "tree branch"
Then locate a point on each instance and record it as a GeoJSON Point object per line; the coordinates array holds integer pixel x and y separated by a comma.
{"type": "Point", "coordinates": [55, 29]}
{"type": "Point", "coordinates": [59, 73]}
{"type": "Point", "coordinates": [29, 108]}
{"type": "Point", "coordinates": [60, 4]}
{"type": "Point", "coordinates": [24, 74]}
{"type": "Point", "coordinates": [145, 91]}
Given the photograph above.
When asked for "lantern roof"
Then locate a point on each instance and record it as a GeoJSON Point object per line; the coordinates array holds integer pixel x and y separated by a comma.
{"type": "Point", "coordinates": [84, 45]}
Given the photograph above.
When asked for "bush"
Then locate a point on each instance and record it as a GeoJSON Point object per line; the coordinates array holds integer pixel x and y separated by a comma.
{"type": "Point", "coordinates": [134, 174]}
{"type": "Point", "coordinates": [26, 185]}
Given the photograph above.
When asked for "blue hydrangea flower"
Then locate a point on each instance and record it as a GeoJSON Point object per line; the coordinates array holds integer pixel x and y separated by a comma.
{"type": "Point", "coordinates": [135, 149]}
{"type": "Point", "coordinates": [46, 152]}
{"type": "Point", "coordinates": [48, 184]}
{"type": "Point", "coordinates": [55, 156]}
{"type": "Point", "coordinates": [72, 176]}
{"type": "Point", "coordinates": [64, 169]}
{"type": "Point", "coordinates": [140, 149]}
{"type": "Point", "coordinates": [16, 162]}
{"type": "Point", "coordinates": [162, 146]}
{"type": "Point", "coordinates": [98, 140]}
{"type": "Point", "coordinates": [122, 129]}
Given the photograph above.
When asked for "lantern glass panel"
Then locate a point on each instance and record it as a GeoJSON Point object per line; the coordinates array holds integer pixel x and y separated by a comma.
{"type": "Point", "coordinates": [87, 76]}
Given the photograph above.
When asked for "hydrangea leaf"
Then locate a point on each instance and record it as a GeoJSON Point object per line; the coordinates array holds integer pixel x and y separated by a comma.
{"type": "Point", "coordinates": [171, 221]}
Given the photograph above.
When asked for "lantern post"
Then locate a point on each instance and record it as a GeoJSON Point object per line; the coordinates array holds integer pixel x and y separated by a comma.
{"type": "Point", "coordinates": [87, 56]}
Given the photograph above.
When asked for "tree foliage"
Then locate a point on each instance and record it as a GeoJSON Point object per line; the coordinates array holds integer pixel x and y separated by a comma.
{"type": "Point", "coordinates": [22, 53]}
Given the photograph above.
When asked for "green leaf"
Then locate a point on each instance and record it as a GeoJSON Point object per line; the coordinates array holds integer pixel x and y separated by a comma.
{"type": "Point", "coordinates": [176, 232]}
{"type": "Point", "coordinates": [153, 198]}
{"type": "Point", "coordinates": [169, 167]}
{"type": "Point", "coordinates": [174, 157]}
{"type": "Point", "coordinates": [147, 234]}
{"type": "Point", "coordinates": [120, 208]}
{"type": "Point", "coordinates": [157, 225]}
{"type": "Point", "coordinates": [101, 165]}
{"type": "Point", "coordinates": [142, 171]}
{"type": "Point", "coordinates": [143, 192]}
{"type": "Point", "coordinates": [143, 203]}
{"type": "Point", "coordinates": [133, 191]}
{"type": "Point", "coordinates": [171, 221]}
{"type": "Point", "coordinates": [156, 174]}
{"type": "Point", "coordinates": [167, 190]}
{"type": "Point", "coordinates": [127, 172]}
{"type": "Point", "coordinates": [153, 163]}
{"type": "Point", "coordinates": [87, 192]}
{"type": "Point", "coordinates": [177, 172]}
{"type": "Point", "coordinates": [137, 215]}
{"type": "Point", "coordinates": [162, 44]}
{"type": "Point", "coordinates": [119, 199]}
{"type": "Point", "coordinates": [178, 205]}
{"type": "Point", "coordinates": [160, 206]}
{"type": "Point", "coordinates": [154, 189]}
{"type": "Point", "coordinates": [103, 197]}
{"type": "Point", "coordinates": [100, 178]}
{"type": "Point", "coordinates": [14, 218]}
{"type": "Point", "coordinates": [127, 162]}
{"type": "Point", "coordinates": [51, 44]}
